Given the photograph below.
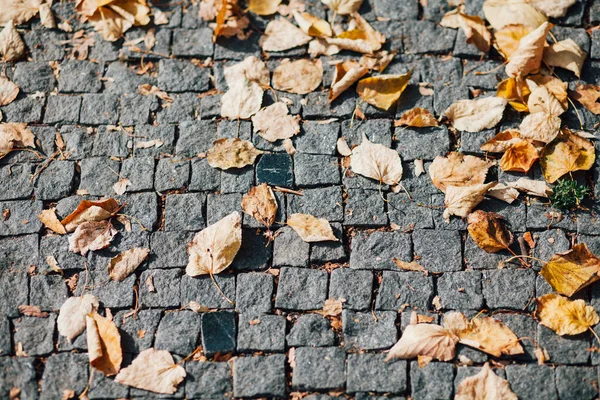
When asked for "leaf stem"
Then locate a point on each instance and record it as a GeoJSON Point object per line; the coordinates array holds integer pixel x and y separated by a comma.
{"type": "Point", "coordinates": [219, 288]}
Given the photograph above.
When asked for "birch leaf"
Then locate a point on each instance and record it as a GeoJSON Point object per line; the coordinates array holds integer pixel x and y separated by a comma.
{"type": "Point", "coordinates": [541, 127]}
{"type": "Point", "coordinates": [542, 101]}
{"type": "Point", "coordinates": [153, 370]}
{"type": "Point", "coordinates": [71, 317]}
{"type": "Point", "coordinates": [311, 229]}
{"type": "Point", "coordinates": [528, 57]}
{"type": "Point", "coordinates": [508, 38]}
{"type": "Point", "coordinates": [112, 18]}
{"type": "Point", "coordinates": [90, 211]}
{"type": "Point", "coordinates": [104, 344]}
{"type": "Point", "coordinates": [382, 91]}
{"type": "Point", "coordinates": [8, 91]}
{"type": "Point", "coordinates": [486, 385]}
{"type": "Point", "coordinates": [377, 162]}
{"type": "Point", "coordinates": [261, 204]}
{"type": "Point", "coordinates": [569, 153]}
{"type": "Point", "coordinates": [500, 13]}
{"type": "Point", "coordinates": [460, 201]}
{"type": "Point", "coordinates": [457, 170]}
{"type": "Point", "coordinates": [425, 340]}
{"type": "Point", "coordinates": [473, 27]}
{"type": "Point", "coordinates": [563, 316]}
{"type": "Point", "coordinates": [570, 271]}
{"type": "Point", "coordinates": [344, 76]}
{"type": "Point", "coordinates": [488, 230]}
{"type": "Point", "coordinates": [213, 249]}
{"type": "Point", "coordinates": [232, 153]}
{"type": "Point", "coordinates": [476, 115]}
{"type": "Point", "coordinates": [91, 235]}
{"type": "Point", "coordinates": [565, 54]}
{"type": "Point", "coordinates": [417, 118]}
{"type": "Point", "coordinates": [242, 100]}
{"type": "Point", "coordinates": [519, 157]}
{"type": "Point", "coordinates": [12, 46]}
{"type": "Point", "coordinates": [300, 76]}
{"type": "Point", "coordinates": [50, 221]}
{"type": "Point", "coordinates": [281, 35]}
{"type": "Point", "coordinates": [123, 265]}
{"type": "Point", "coordinates": [275, 123]}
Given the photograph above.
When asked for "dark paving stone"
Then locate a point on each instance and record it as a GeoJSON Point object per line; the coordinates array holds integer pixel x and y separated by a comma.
{"type": "Point", "coordinates": [203, 291]}
{"type": "Point", "coordinates": [369, 330]}
{"type": "Point", "coordinates": [377, 250]}
{"type": "Point", "coordinates": [237, 180]}
{"type": "Point", "coordinates": [218, 206]}
{"type": "Point", "coordinates": [56, 181]}
{"type": "Point", "coordinates": [311, 330]}
{"type": "Point", "coordinates": [166, 288]}
{"type": "Point", "coordinates": [376, 130]}
{"type": "Point", "coordinates": [410, 211]}
{"type": "Point", "coordinates": [218, 332]}
{"type": "Point", "coordinates": [365, 208]}
{"type": "Point", "coordinates": [35, 335]}
{"type": "Point", "coordinates": [98, 175]}
{"type": "Point", "coordinates": [322, 203]}
{"type": "Point", "coordinates": [57, 247]}
{"type": "Point", "coordinates": [254, 254]}
{"type": "Point", "coordinates": [142, 208]}
{"type": "Point", "coordinates": [48, 292]}
{"type": "Point", "coordinates": [140, 172]}
{"type": "Point", "coordinates": [195, 137]}
{"type": "Point", "coordinates": [138, 330]}
{"type": "Point", "coordinates": [16, 181]}
{"type": "Point", "coordinates": [135, 108]}
{"type": "Point", "coordinates": [532, 381]}
{"type": "Point", "coordinates": [508, 288]}
{"type": "Point", "coordinates": [204, 177]}
{"type": "Point", "coordinates": [355, 287]}
{"type": "Point", "coordinates": [65, 371]}
{"type": "Point", "coordinates": [184, 212]}
{"type": "Point", "coordinates": [193, 42]}
{"type": "Point", "coordinates": [318, 138]}
{"type": "Point", "coordinates": [259, 376]}
{"type": "Point", "coordinates": [427, 37]}
{"type": "Point", "coordinates": [564, 350]}
{"type": "Point", "coordinates": [110, 142]}
{"type": "Point", "coordinates": [18, 253]}
{"type": "Point", "coordinates": [26, 109]}
{"type": "Point", "coordinates": [254, 293]}
{"type": "Point", "coordinates": [108, 292]}
{"type": "Point", "coordinates": [401, 288]}
{"type": "Point", "coordinates": [22, 218]}
{"type": "Point", "coordinates": [460, 290]}
{"type": "Point", "coordinates": [289, 249]}
{"type": "Point", "coordinates": [421, 143]}
{"type": "Point", "coordinates": [316, 170]}
{"type": "Point", "coordinates": [576, 382]}
{"type": "Point", "coordinates": [34, 77]}
{"type": "Point", "coordinates": [275, 170]}
{"type": "Point", "coordinates": [434, 381]}
{"type": "Point", "coordinates": [324, 252]}
{"type": "Point", "coordinates": [145, 133]}
{"type": "Point", "coordinates": [182, 76]}
{"type": "Point", "coordinates": [79, 77]}
{"type": "Point", "coordinates": [99, 109]}
{"type": "Point", "coordinates": [438, 250]}
{"type": "Point", "coordinates": [102, 387]}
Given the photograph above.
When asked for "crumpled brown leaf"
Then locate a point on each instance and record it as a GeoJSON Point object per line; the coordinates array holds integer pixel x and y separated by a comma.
{"type": "Point", "coordinates": [473, 27]}
{"type": "Point", "coordinates": [232, 153]}
{"type": "Point", "coordinates": [476, 115]}
{"type": "Point", "coordinates": [90, 211]}
{"type": "Point", "coordinates": [300, 76]}
{"type": "Point", "coordinates": [568, 153]}
{"type": "Point", "coordinates": [417, 118]}
{"type": "Point", "coordinates": [213, 249]}
{"type": "Point", "coordinates": [382, 91]}
{"type": "Point", "coordinates": [8, 91]}
{"type": "Point", "coordinates": [281, 35]}
{"type": "Point", "coordinates": [123, 265]}
{"type": "Point", "coordinates": [261, 204]}
{"type": "Point", "coordinates": [500, 13]}
{"type": "Point", "coordinates": [13, 134]}
{"type": "Point", "coordinates": [425, 340]}
{"type": "Point", "coordinates": [153, 370]}
{"type": "Point", "coordinates": [488, 230]}
{"type": "Point", "coordinates": [563, 316]}
{"type": "Point", "coordinates": [376, 161]}
{"type": "Point", "coordinates": [112, 18]}
{"type": "Point", "coordinates": [103, 343]}
{"type": "Point", "coordinates": [458, 169]}
{"type": "Point", "coordinates": [553, 8]}
{"type": "Point", "coordinates": [71, 318]}
{"type": "Point", "coordinates": [275, 123]}
{"type": "Point", "coordinates": [311, 229]}
{"type": "Point", "coordinates": [344, 76]}
{"type": "Point", "coordinates": [519, 157]}
{"type": "Point", "coordinates": [50, 221]}
{"type": "Point", "coordinates": [20, 11]}
{"type": "Point", "coordinates": [343, 7]}
{"type": "Point", "coordinates": [528, 57]}
{"type": "Point", "coordinates": [311, 25]}
{"type": "Point", "coordinates": [588, 95]}
{"type": "Point", "coordinates": [485, 385]}
{"type": "Point", "coordinates": [460, 200]}
{"type": "Point", "coordinates": [91, 235]}
{"type": "Point", "coordinates": [570, 271]}
{"type": "Point", "coordinates": [565, 54]}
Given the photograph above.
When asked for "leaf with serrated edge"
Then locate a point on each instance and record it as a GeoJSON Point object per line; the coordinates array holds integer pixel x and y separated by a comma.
{"type": "Point", "coordinates": [570, 271]}
{"type": "Point", "coordinates": [563, 316]}
{"type": "Point", "coordinates": [485, 385]}
{"type": "Point", "coordinates": [569, 153]}
{"type": "Point", "coordinates": [311, 229]}
{"type": "Point", "coordinates": [153, 370]}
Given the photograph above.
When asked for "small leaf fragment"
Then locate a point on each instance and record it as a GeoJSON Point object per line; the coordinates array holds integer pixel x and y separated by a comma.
{"type": "Point", "coordinates": [261, 204]}
{"type": "Point", "coordinates": [91, 235]}
{"type": "Point", "coordinates": [8, 91]}
{"type": "Point", "coordinates": [50, 221]}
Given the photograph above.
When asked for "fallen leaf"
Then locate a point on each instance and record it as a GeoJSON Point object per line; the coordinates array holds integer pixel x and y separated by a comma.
{"type": "Point", "coordinates": [485, 385]}
{"type": "Point", "coordinates": [568, 153]}
{"type": "Point", "coordinates": [90, 211]}
{"type": "Point", "coordinates": [342, 147]}
{"type": "Point", "coordinates": [500, 13]}
{"type": "Point", "coordinates": [460, 200]}
{"type": "Point", "coordinates": [528, 57]}
{"type": "Point", "coordinates": [382, 91]}
{"type": "Point", "coordinates": [311, 25]}
{"type": "Point", "coordinates": [331, 308]}
{"type": "Point", "coordinates": [50, 221]}
{"type": "Point", "coordinates": [252, 68]}
{"type": "Point", "coordinates": [71, 317]}
{"type": "Point", "coordinates": [343, 7]}
{"type": "Point", "coordinates": [197, 307]}
{"type": "Point", "coordinates": [32, 311]}
{"type": "Point", "coordinates": [563, 316]}
{"type": "Point", "coordinates": [146, 144]}
{"type": "Point", "coordinates": [46, 16]}
{"type": "Point", "coordinates": [588, 95]}
{"type": "Point", "coordinates": [213, 249]}
{"type": "Point", "coordinates": [344, 76]}
{"type": "Point", "coordinates": [375, 161]}
{"type": "Point", "coordinates": [542, 101]}
{"type": "Point", "coordinates": [53, 264]}
{"type": "Point", "coordinates": [232, 153]}
{"type": "Point", "coordinates": [242, 100]}
{"type": "Point", "coordinates": [153, 370]}
{"type": "Point", "coordinates": [275, 123]}
{"type": "Point", "coordinates": [91, 235]}
{"type": "Point", "coordinates": [502, 141]}
{"type": "Point", "coordinates": [301, 76]}
{"type": "Point", "coordinates": [311, 229]}
{"type": "Point", "coordinates": [425, 340]}
{"type": "Point", "coordinates": [8, 91]}
{"type": "Point", "coordinates": [476, 115]}
{"type": "Point", "coordinates": [458, 169]}
{"type": "Point", "coordinates": [570, 271]}
{"type": "Point", "coordinates": [531, 187]}
{"type": "Point", "coordinates": [123, 265]}
{"type": "Point", "coordinates": [229, 19]}
{"type": "Point", "coordinates": [488, 230]}
{"type": "Point", "coordinates": [419, 167]}
{"type": "Point", "coordinates": [103, 344]}
{"type": "Point", "coordinates": [147, 89]}
{"type": "Point", "coordinates": [503, 192]}
{"type": "Point", "coordinates": [410, 266]}
{"type": "Point", "coordinates": [516, 92]}
{"type": "Point", "coordinates": [263, 7]}
{"type": "Point", "coordinates": [282, 35]}
{"type": "Point", "coordinates": [508, 38]}
{"type": "Point", "coordinates": [417, 118]}
{"type": "Point", "coordinates": [288, 145]}
{"type": "Point", "coordinates": [120, 186]}
{"type": "Point", "coordinates": [473, 27]}
{"type": "Point", "coordinates": [160, 17]}
{"type": "Point", "coordinates": [565, 54]}
{"type": "Point", "coordinates": [261, 204]}
{"type": "Point", "coordinates": [555, 86]}
{"type": "Point", "coordinates": [540, 126]}
{"type": "Point", "coordinates": [378, 61]}
{"type": "Point", "coordinates": [519, 157]}
{"type": "Point", "coordinates": [112, 18]}
{"type": "Point", "coordinates": [13, 134]}
{"type": "Point", "coordinates": [20, 11]}
{"type": "Point", "coordinates": [362, 39]}
{"type": "Point", "coordinates": [553, 8]}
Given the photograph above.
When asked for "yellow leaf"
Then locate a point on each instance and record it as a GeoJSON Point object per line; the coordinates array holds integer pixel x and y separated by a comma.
{"type": "Point", "coordinates": [300, 76]}
{"type": "Point", "coordinates": [91, 235]}
{"type": "Point", "coordinates": [502, 141]}
{"type": "Point", "coordinates": [570, 271]}
{"type": "Point", "coordinates": [275, 123]}
{"type": "Point", "coordinates": [565, 54]}
{"type": "Point", "coordinates": [425, 340]}
{"type": "Point", "coordinates": [588, 96]}
{"type": "Point", "coordinates": [568, 153]}
{"type": "Point", "coordinates": [213, 249]}
{"type": "Point", "coordinates": [344, 76]}
{"type": "Point", "coordinates": [519, 157]}
{"type": "Point", "coordinates": [123, 265]}
{"type": "Point", "coordinates": [90, 211]}
{"type": "Point", "coordinates": [476, 115]}
{"type": "Point", "coordinates": [104, 344]}
{"type": "Point", "coordinates": [528, 57]}
{"type": "Point", "coordinates": [281, 35]}
{"type": "Point", "coordinates": [261, 204]}
{"type": "Point", "coordinates": [461, 200]}
{"type": "Point", "coordinates": [488, 231]}
{"type": "Point", "coordinates": [263, 7]}
{"type": "Point", "coordinates": [8, 91]}
{"type": "Point", "coordinates": [500, 13]}
{"type": "Point", "coordinates": [12, 46]}
{"type": "Point", "coordinates": [311, 25]}
{"type": "Point", "coordinates": [473, 27]}
{"type": "Point", "coordinates": [458, 169]}
{"type": "Point", "coordinates": [71, 318]}
{"type": "Point", "coordinates": [232, 153]}
{"type": "Point", "coordinates": [310, 228]}
{"type": "Point", "coordinates": [153, 370]}
{"type": "Point", "coordinates": [563, 316]}
{"type": "Point", "coordinates": [382, 91]}
{"type": "Point", "coordinates": [417, 118]}
{"type": "Point", "coordinates": [508, 38]}
{"type": "Point", "coordinates": [377, 162]}
{"type": "Point", "coordinates": [50, 221]}
{"type": "Point", "coordinates": [516, 92]}
{"type": "Point", "coordinates": [486, 385]}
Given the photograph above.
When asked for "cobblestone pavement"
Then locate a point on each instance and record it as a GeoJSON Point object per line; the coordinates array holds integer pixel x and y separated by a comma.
{"type": "Point", "coordinates": [174, 194]}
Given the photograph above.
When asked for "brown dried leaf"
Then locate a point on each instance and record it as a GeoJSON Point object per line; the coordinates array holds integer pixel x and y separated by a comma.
{"type": "Point", "coordinates": [91, 235]}
{"type": "Point", "coordinates": [112, 18]}
{"type": "Point", "coordinates": [300, 76]}
{"type": "Point", "coordinates": [362, 39]}
{"type": "Point", "coordinates": [104, 344]}
{"type": "Point", "coordinates": [569, 153]}
{"type": "Point", "coordinates": [375, 161]}
{"type": "Point", "coordinates": [275, 123]}
{"type": "Point", "coordinates": [281, 35]}
{"type": "Point", "coordinates": [20, 11]}
{"type": "Point", "coordinates": [458, 169]}
{"type": "Point", "coordinates": [473, 27]}
{"type": "Point", "coordinates": [460, 201]}
{"type": "Point", "coordinates": [488, 231]}
{"type": "Point", "coordinates": [528, 57]}
{"type": "Point", "coordinates": [50, 221]}
{"type": "Point", "coordinates": [12, 46]}
{"type": "Point", "coordinates": [501, 13]}
{"type": "Point", "coordinates": [425, 340]}
{"type": "Point", "coordinates": [8, 91]}
{"type": "Point", "coordinates": [153, 370]}
{"type": "Point", "coordinates": [570, 271]}
{"type": "Point", "coordinates": [344, 76]}
{"type": "Point", "coordinates": [147, 89]}
{"type": "Point", "coordinates": [502, 141]}
{"type": "Point", "coordinates": [13, 134]}
{"type": "Point", "coordinates": [311, 229]}
{"type": "Point", "coordinates": [32, 311]}
{"type": "Point", "coordinates": [251, 68]}
{"type": "Point", "coordinates": [261, 204]}
{"type": "Point", "coordinates": [342, 147]}
{"type": "Point", "coordinates": [417, 117]}
{"type": "Point", "coordinates": [263, 7]}
{"type": "Point", "coordinates": [232, 153]}
{"type": "Point", "coordinates": [565, 54]}
{"type": "Point", "coordinates": [476, 115]}
{"type": "Point", "coordinates": [563, 316]}
{"type": "Point", "coordinates": [410, 266]}
{"type": "Point", "coordinates": [382, 91]}
{"type": "Point", "coordinates": [485, 385]}
{"type": "Point", "coordinates": [46, 16]}
{"type": "Point", "coordinates": [519, 157]}
{"type": "Point", "coordinates": [331, 308]}
{"type": "Point", "coordinates": [123, 265]}
{"type": "Point", "coordinates": [71, 318]}
{"type": "Point", "coordinates": [90, 211]}
{"type": "Point", "coordinates": [378, 61]}
{"type": "Point", "coordinates": [588, 95]}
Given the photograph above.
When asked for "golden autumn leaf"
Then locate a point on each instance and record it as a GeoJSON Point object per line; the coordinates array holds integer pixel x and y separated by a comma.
{"type": "Point", "coordinates": [500, 13]}
{"type": "Point", "coordinates": [516, 91]}
{"type": "Point", "coordinates": [232, 153]}
{"type": "Point", "coordinates": [528, 56]}
{"type": "Point", "coordinates": [568, 153]}
{"type": "Point", "coordinates": [8, 91]}
{"type": "Point", "coordinates": [71, 317]}
{"type": "Point", "coordinates": [458, 169]}
{"type": "Point", "coordinates": [588, 95]}
{"type": "Point", "coordinates": [20, 11]}
{"type": "Point", "coordinates": [553, 8]}
{"type": "Point", "coordinates": [460, 200]}
{"type": "Point", "coordinates": [485, 385]}
{"type": "Point", "coordinates": [473, 27]}
{"type": "Point", "coordinates": [153, 370]}
{"type": "Point", "coordinates": [502, 141]}
{"type": "Point", "coordinates": [417, 117]}
{"type": "Point", "coordinates": [382, 91]}
{"type": "Point", "coordinates": [519, 157]}
{"type": "Point", "coordinates": [103, 343]}
{"type": "Point", "coordinates": [476, 115]}
{"type": "Point", "coordinates": [51, 221]}
{"type": "Point", "coordinates": [311, 25]}
{"type": "Point", "coordinates": [213, 249]}
{"type": "Point", "coordinates": [300, 76]}
{"type": "Point", "coordinates": [563, 316]}
{"type": "Point", "coordinates": [425, 340]}
{"type": "Point", "coordinates": [261, 204]}
{"type": "Point", "coordinates": [91, 235]}
{"type": "Point", "coordinates": [570, 271]}
{"type": "Point", "coordinates": [508, 38]}
{"type": "Point", "coordinates": [488, 230]}
{"type": "Point", "coordinates": [112, 18]}
{"type": "Point", "coordinates": [90, 211]}
{"type": "Point", "coordinates": [12, 46]}
{"type": "Point", "coordinates": [123, 265]}
{"type": "Point", "coordinates": [281, 35]}
{"type": "Point", "coordinates": [343, 7]}
{"type": "Point", "coordinates": [263, 7]}
{"type": "Point", "coordinates": [275, 123]}
{"type": "Point", "coordinates": [311, 229]}
{"type": "Point", "coordinates": [565, 54]}
{"type": "Point", "coordinates": [376, 161]}
{"type": "Point", "coordinates": [344, 76]}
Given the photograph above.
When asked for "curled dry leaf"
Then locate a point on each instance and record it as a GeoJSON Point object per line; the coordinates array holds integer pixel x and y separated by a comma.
{"type": "Point", "coordinates": [563, 316]}
{"type": "Point", "coordinates": [20, 11]}
{"type": "Point", "coordinates": [153, 370]}
{"type": "Point", "coordinates": [508, 38]}
{"type": "Point", "coordinates": [417, 118]}
{"type": "Point", "coordinates": [311, 25]}
{"type": "Point", "coordinates": [274, 122]}
{"type": "Point", "coordinates": [553, 8]}
{"type": "Point", "coordinates": [458, 169]}
{"type": "Point", "coordinates": [300, 76]}
{"type": "Point", "coordinates": [32, 311]}
{"type": "Point", "coordinates": [588, 95]}
{"type": "Point", "coordinates": [263, 7]}
{"type": "Point", "coordinates": [502, 141]}
{"type": "Point", "coordinates": [410, 266]}
{"type": "Point", "coordinates": [519, 157]}
{"type": "Point", "coordinates": [311, 229]}
{"type": "Point", "coordinates": [344, 76]}
{"type": "Point", "coordinates": [541, 100]}
{"type": "Point", "coordinates": [531, 187]}
{"type": "Point", "coordinates": [488, 230]}
{"type": "Point", "coordinates": [112, 18]}
{"type": "Point", "coordinates": [375, 161]}
{"type": "Point", "coordinates": [460, 201]}
{"type": "Point", "coordinates": [46, 16]}
{"type": "Point", "coordinates": [362, 39]}
{"type": "Point", "coordinates": [565, 54]}
{"type": "Point", "coordinates": [343, 7]}
{"type": "Point", "coordinates": [90, 211]}
{"type": "Point", "coordinates": [331, 308]}
{"type": "Point", "coordinates": [261, 204]}
{"type": "Point", "coordinates": [485, 385]}
{"type": "Point", "coordinates": [281, 35]}
{"type": "Point", "coordinates": [500, 13]}
{"type": "Point", "coordinates": [213, 249]}
{"type": "Point", "coordinates": [71, 317]}
{"type": "Point", "coordinates": [568, 153]}
{"type": "Point", "coordinates": [476, 115]}
{"type": "Point", "coordinates": [12, 46]}
{"type": "Point", "coordinates": [232, 153]}
{"type": "Point", "coordinates": [147, 89]}
{"type": "Point", "coordinates": [473, 27]}
{"type": "Point", "coordinates": [528, 57]}
{"type": "Point", "coordinates": [13, 134]}
{"type": "Point", "coordinates": [503, 192]}
{"type": "Point", "coordinates": [8, 91]}
{"type": "Point", "coordinates": [50, 221]}
{"type": "Point", "coordinates": [570, 271]}
{"type": "Point", "coordinates": [91, 235]}
{"type": "Point", "coordinates": [425, 340]}
{"type": "Point", "coordinates": [382, 91]}
{"type": "Point", "coordinates": [378, 61]}
{"type": "Point", "coordinates": [104, 344]}
{"type": "Point", "coordinates": [342, 147]}
{"type": "Point", "coordinates": [242, 100]}
{"type": "Point", "coordinates": [516, 91]}
{"type": "Point", "coordinates": [121, 266]}
{"type": "Point", "coordinates": [120, 186]}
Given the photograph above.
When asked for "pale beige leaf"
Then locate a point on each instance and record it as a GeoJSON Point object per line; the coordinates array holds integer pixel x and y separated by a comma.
{"type": "Point", "coordinates": [242, 100]}
{"type": "Point", "coordinates": [147, 89]}
{"type": "Point", "coordinates": [362, 39]}
{"type": "Point", "coordinates": [310, 228]}
{"type": "Point", "coordinates": [318, 46]}
{"type": "Point", "coordinates": [419, 167]}
{"type": "Point", "coordinates": [343, 7]}
{"type": "Point", "coordinates": [12, 46]}
{"type": "Point", "coordinates": [282, 35]}
{"type": "Point", "coordinates": [500, 13]}
{"type": "Point", "coordinates": [213, 249]}
{"type": "Point", "coordinates": [331, 308]}
{"type": "Point", "coordinates": [90, 211]}
{"type": "Point", "coordinates": [46, 16]}
{"type": "Point", "coordinates": [261, 204]}
{"type": "Point", "coordinates": [473, 27]}
{"type": "Point", "coordinates": [503, 192]}
{"type": "Point", "coordinates": [342, 147]}
{"type": "Point", "coordinates": [275, 123]}
{"type": "Point", "coordinates": [300, 76]}
{"type": "Point", "coordinates": [153, 370]}
{"type": "Point", "coordinates": [460, 200]}
{"type": "Point", "coordinates": [565, 54]}
{"type": "Point", "coordinates": [553, 8]}
{"type": "Point", "coordinates": [232, 153]}
{"type": "Point", "coordinates": [476, 115]}
{"type": "Point", "coordinates": [344, 76]}
{"type": "Point", "coordinates": [410, 266]}
{"type": "Point", "coordinates": [508, 38]}
{"type": "Point", "coordinates": [563, 316]}
{"type": "Point", "coordinates": [160, 17]}
{"type": "Point", "coordinates": [540, 126]}
{"type": "Point", "coordinates": [251, 68]}
{"type": "Point", "coordinates": [311, 25]}
{"type": "Point", "coordinates": [14, 134]}
{"type": "Point", "coordinates": [8, 91]}
{"type": "Point", "coordinates": [531, 187]}
{"type": "Point", "coordinates": [121, 266]}
{"type": "Point", "coordinates": [458, 169]}
{"type": "Point", "coordinates": [542, 101]}
{"type": "Point", "coordinates": [103, 344]}
{"type": "Point", "coordinates": [486, 385]}
{"type": "Point", "coordinates": [425, 340]}
{"type": "Point", "coordinates": [120, 186]}
{"type": "Point", "coordinates": [375, 161]}
{"type": "Point", "coordinates": [50, 221]}
{"type": "Point", "coordinates": [528, 57]}
{"type": "Point", "coordinates": [20, 11]}
{"type": "Point", "coordinates": [71, 318]}
{"type": "Point", "coordinates": [91, 235]}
